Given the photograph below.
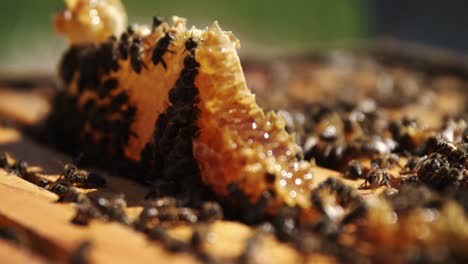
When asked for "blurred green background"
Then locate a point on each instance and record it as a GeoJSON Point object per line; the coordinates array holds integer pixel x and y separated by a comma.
{"type": "Point", "coordinates": [278, 27]}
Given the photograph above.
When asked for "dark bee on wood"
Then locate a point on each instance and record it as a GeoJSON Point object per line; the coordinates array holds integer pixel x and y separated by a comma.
{"type": "Point", "coordinates": [114, 208]}
{"type": "Point", "coordinates": [85, 213]}
{"type": "Point", "coordinates": [81, 254]}
{"type": "Point", "coordinates": [148, 219]}
{"type": "Point", "coordinates": [187, 215]}
{"type": "Point", "coordinates": [66, 193]}
{"type": "Point", "coordinates": [73, 195]}
{"type": "Point", "coordinates": [157, 21]}
{"type": "Point", "coordinates": [169, 214]}
{"type": "Point", "coordinates": [82, 178]}
{"type": "Point", "coordinates": [20, 168]}
{"type": "Point", "coordinates": [43, 183]}
{"type": "Point", "coordinates": [136, 49]}
{"type": "Point", "coordinates": [58, 187]}
{"type": "Point", "coordinates": [161, 48]}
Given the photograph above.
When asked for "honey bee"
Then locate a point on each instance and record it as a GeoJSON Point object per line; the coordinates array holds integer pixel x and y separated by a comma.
{"type": "Point", "coordinates": [73, 195]}
{"type": "Point", "coordinates": [148, 219]}
{"type": "Point", "coordinates": [114, 208]}
{"type": "Point", "coordinates": [107, 86]}
{"type": "Point", "coordinates": [20, 168]}
{"type": "Point", "coordinates": [188, 215]}
{"type": "Point", "coordinates": [385, 161]}
{"type": "Point", "coordinates": [354, 170]}
{"type": "Point", "coordinates": [81, 178]}
{"type": "Point", "coordinates": [85, 213]}
{"type": "Point", "coordinates": [412, 165]}
{"type": "Point", "coordinates": [124, 45]}
{"type": "Point", "coordinates": [58, 187]}
{"type": "Point", "coordinates": [157, 21]}
{"type": "Point", "coordinates": [42, 183]}
{"type": "Point", "coordinates": [135, 55]}
{"type": "Point", "coordinates": [450, 150]}
{"type": "Point", "coordinates": [3, 160]}
{"type": "Point", "coordinates": [120, 99]}
{"type": "Point", "coordinates": [411, 179]}
{"type": "Point", "coordinates": [376, 178]}
{"type": "Point", "coordinates": [346, 196]}
{"type": "Point", "coordinates": [190, 45]}
{"type": "Point", "coordinates": [161, 48]}
{"type": "Point", "coordinates": [211, 211]}
{"type": "Point", "coordinates": [107, 56]}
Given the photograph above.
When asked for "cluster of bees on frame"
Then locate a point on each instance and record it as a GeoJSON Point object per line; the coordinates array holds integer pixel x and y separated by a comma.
{"type": "Point", "coordinates": [421, 169]}
{"type": "Point", "coordinates": [104, 119]}
{"type": "Point", "coordinates": [418, 168]}
{"type": "Point", "coordinates": [157, 215]}
{"type": "Point", "coordinates": [426, 168]}
{"type": "Point", "coordinates": [364, 144]}
{"type": "Point", "coordinates": [169, 156]}
{"type": "Point", "coordinates": [433, 173]}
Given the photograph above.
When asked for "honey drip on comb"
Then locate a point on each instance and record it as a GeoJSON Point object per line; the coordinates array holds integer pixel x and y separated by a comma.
{"type": "Point", "coordinates": [236, 133]}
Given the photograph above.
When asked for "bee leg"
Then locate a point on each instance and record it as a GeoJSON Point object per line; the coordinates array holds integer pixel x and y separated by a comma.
{"type": "Point", "coordinates": [364, 184]}
{"type": "Point", "coordinates": [144, 65]}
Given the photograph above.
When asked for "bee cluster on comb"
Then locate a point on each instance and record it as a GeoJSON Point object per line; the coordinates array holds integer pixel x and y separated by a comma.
{"type": "Point", "coordinates": [169, 106]}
